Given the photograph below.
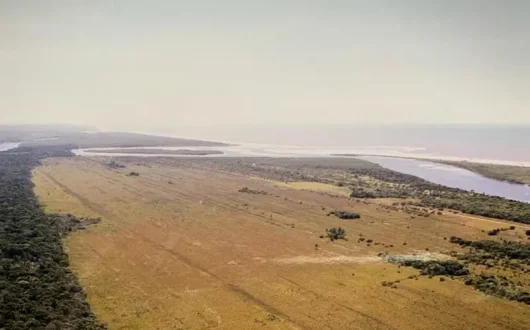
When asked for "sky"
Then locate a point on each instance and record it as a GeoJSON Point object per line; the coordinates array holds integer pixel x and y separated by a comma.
{"type": "Point", "coordinates": [145, 64]}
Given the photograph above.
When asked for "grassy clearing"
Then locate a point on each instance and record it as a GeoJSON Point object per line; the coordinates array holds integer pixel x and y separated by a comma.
{"type": "Point", "coordinates": [197, 253]}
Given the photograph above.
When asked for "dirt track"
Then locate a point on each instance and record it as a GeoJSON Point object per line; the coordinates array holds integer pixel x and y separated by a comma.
{"type": "Point", "coordinates": [180, 248]}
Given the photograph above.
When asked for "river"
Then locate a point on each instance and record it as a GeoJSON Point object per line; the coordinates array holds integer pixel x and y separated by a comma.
{"type": "Point", "coordinates": [455, 177]}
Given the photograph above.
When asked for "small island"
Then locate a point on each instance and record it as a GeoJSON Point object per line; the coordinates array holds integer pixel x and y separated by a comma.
{"type": "Point", "coordinates": [184, 152]}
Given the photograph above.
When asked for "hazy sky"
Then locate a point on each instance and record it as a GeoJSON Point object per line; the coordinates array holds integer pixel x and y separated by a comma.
{"type": "Point", "coordinates": [135, 64]}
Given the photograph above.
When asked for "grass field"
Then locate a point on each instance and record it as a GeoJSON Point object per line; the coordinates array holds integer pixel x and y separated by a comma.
{"type": "Point", "coordinates": [180, 248]}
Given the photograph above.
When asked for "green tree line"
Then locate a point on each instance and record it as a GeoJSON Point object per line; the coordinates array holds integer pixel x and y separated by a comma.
{"type": "Point", "coordinates": [37, 289]}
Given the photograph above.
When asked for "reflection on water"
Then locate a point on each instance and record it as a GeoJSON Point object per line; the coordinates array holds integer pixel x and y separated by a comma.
{"type": "Point", "coordinates": [453, 177]}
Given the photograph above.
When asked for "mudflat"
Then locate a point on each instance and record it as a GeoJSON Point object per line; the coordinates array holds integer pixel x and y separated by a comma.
{"type": "Point", "coordinates": [180, 247]}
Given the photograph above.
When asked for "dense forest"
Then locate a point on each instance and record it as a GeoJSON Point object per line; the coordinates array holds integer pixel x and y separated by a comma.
{"type": "Point", "coordinates": [37, 289]}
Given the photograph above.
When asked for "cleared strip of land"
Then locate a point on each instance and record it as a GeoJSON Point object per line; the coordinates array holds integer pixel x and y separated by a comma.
{"type": "Point", "coordinates": [180, 247]}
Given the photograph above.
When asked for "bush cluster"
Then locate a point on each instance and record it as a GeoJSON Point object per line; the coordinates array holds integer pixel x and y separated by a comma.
{"type": "Point", "coordinates": [336, 233]}
{"type": "Point", "coordinates": [247, 190]}
{"type": "Point", "coordinates": [504, 249]}
{"type": "Point", "coordinates": [496, 231]}
{"type": "Point", "coordinates": [499, 286]}
{"type": "Point", "coordinates": [436, 267]}
{"type": "Point", "coordinates": [66, 223]}
{"type": "Point", "coordinates": [114, 165]}
{"type": "Point", "coordinates": [345, 215]}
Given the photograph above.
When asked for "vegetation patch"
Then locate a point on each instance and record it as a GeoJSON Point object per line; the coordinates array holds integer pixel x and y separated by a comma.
{"type": "Point", "coordinates": [499, 286]}
{"type": "Point", "coordinates": [345, 215]}
{"type": "Point", "coordinates": [512, 257]}
{"type": "Point", "coordinates": [479, 204]}
{"type": "Point", "coordinates": [504, 249]}
{"type": "Point", "coordinates": [361, 193]}
{"type": "Point", "coordinates": [66, 223]}
{"type": "Point", "coordinates": [336, 233]}
{"type": "Point", "coordinates": [390, 284]}
{"type": "Point", "coordinates": [496, 231]}
{"type": "Point", "coordinates": [115, 166]}
{"type": "Point", "coordinates": [247, 190]}
{"type": "Point", "coordinates": [436, 267]}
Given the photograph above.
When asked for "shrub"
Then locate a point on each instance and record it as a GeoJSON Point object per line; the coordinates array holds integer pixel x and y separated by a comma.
{"type": "Point", "coordinates": [362, 194]}
{"type": "Point", "coordinates": [66, 223]}
{"type": "Point", "coordinates": [336, 233]}
{"type": "Point", "coordinates": [493, 232]}
{"type": "Point", "coordinates": [115, 165]}
{"type": "Point", "coordinates": [247, 190]}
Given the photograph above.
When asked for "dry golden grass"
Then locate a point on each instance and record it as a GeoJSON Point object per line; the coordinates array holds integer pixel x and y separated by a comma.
{"type": "Point", "coordinates": [180, 248]}
{"type": "Point", "coordinates": [317, 187]}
